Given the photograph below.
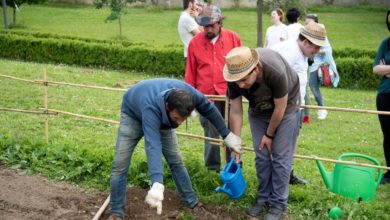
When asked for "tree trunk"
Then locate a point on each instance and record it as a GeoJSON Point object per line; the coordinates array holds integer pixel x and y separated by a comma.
{"type": "Point", "coordinates": [120, 26]}
{"type": "Point", "coordinates": [14, 21]}
{"type": "Point", "coordinates": [259, 23]}
{"type": "Point", "coordinates": [4, 5]}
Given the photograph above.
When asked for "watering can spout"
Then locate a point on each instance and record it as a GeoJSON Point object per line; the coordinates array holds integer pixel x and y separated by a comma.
{"type": "Point", "coordinates": [326, 176]}
{"type": "Point", "coordinates": [223, 189]}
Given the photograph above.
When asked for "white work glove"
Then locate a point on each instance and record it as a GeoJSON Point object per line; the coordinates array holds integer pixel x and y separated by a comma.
{"type": "Point", "coordinates": [155, 197]}
{"type": "Point", "coordinates": [233, 142]}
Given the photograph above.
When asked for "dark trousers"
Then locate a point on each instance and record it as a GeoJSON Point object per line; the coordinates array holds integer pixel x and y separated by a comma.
{"type": "Point", "coordinates": [383, 104]}
{"type": "Point", "coordinates": [212, 156]}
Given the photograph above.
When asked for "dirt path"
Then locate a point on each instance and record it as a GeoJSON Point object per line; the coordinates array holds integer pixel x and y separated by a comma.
{"type": "Point", "coordinates": [33, 197]}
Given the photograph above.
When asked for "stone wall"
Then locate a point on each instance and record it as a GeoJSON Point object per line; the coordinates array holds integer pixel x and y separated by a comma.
{"type": "Point", "coordinates": [252, 3]}
{"type": "Point", "coordinates": [240, 3]}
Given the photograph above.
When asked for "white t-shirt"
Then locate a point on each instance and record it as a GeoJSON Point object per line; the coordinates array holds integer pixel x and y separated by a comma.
{"type": "Point", "coordinates": [274, 34]}
{"type": "Point", "coordinates": [291, 52]}
{"type": "Point", "coordinates": [186, 24]}
{"type": "Point", "coordinates": [293, 30]}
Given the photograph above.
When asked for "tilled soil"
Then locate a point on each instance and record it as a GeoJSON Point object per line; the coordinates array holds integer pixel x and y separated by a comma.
{"type": "Point", "coordinates": [33, 197]}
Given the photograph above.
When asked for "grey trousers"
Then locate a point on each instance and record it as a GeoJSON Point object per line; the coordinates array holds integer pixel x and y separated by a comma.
{"type": "Point", "coordinates": [274, 176]}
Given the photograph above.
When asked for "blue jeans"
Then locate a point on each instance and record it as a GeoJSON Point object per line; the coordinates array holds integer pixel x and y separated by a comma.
{"type": "Point", "coordinates": [274, 176]}
{"type": "Point", "coordinates": [129, 134]}
{"type": "Point", "coordinates": [315, 88]}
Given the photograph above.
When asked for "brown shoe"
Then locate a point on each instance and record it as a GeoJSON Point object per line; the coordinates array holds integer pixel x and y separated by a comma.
{"type": "Point", "coordinates": [114, 217]}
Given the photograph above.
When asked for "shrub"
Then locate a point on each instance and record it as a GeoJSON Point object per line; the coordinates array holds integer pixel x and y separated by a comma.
{"type": "Point", "coordinates": [354, 65]}
{"type": "Point", "coordinates": [356, 73]}
{"type": "Point", "coordinates": [123, 55]}
{"type": "Point", "coordinates": [354, 52]}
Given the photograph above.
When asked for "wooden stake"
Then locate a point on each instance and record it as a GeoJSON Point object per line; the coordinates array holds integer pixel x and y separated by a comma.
{"type": "Point", "coordinates": [227, 124]}
{"type": "Point", "coordinates": [25, 111]}
{"type": "Point", "coordinates": [331, 160]}
{"type": "Point", "coordinates": [17, 78]}
{"type": "Point", "coordinates": [84, 116]}
{"type": "Point", "coordinates": [215, 140]}
{"type": "Point", "coordinates": [79, 85]}
{"type": "Point", "coordinates": [102, 208]}
{"type": "Point", "coordinates": [347, 109]}
{"type": "Point", "coordinates": [45, 105]}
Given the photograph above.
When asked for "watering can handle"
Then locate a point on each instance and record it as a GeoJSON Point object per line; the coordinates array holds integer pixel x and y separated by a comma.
{"type": "Point", "coordinates": [228, 165]}
{"type": "Point", "coordinates": [376, 162]}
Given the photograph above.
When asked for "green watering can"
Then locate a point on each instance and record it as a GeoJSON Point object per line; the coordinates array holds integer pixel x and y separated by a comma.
{"type": "Point", "coordinates": [352, 181]}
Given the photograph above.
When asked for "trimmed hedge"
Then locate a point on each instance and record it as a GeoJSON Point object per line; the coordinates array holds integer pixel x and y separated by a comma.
{"type": "Point", "coordinates": [354, 52]}
{"type": "Point", "coordinates": [354, 65]}
{"type": "Point", "coordinates": [46, 48]}
{"type": "Point", "coordinates": [356, 73]}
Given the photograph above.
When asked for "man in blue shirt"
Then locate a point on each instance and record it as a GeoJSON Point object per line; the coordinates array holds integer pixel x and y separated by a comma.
{"type": "Point", "coordinates": [153, 109]}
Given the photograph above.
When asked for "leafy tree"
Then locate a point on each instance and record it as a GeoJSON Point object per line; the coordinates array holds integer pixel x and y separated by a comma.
{"type": "Point", "coordinates": [269, 6]}
{"type": "Point", "coordinates": [15, 4]}
{"type": "Point", "coordinates": [117, 9]}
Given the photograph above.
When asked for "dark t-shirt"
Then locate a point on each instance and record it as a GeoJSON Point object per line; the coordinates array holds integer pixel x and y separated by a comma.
{"type": "Point", "coordinates": [278, 80]}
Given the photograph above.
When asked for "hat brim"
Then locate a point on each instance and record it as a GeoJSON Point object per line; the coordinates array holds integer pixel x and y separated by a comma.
{"type": "Point", "coordinates": [205, 21]}
{"type": "Point", "coordinates": [315, 41]}
{"type": "Point", "coordinates": [237, 76]}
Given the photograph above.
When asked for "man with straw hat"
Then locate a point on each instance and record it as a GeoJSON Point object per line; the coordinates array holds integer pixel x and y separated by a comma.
{"type": "Point", "coordinates": [296, 52]}
{"type": "Point", "coordinates": [271, 86]}
{"type": "Point", "coordinates": [205, 61]}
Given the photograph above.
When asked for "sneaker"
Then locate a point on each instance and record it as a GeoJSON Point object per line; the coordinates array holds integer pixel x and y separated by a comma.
{"type": "Point", "coordinates": [114, 217]}
{"type": "Point", "coordinates": [256, 209]}
{"type": "Point", "coordinates": [306, 120]}
{"type": "Point", "coordinates": [294, 180]}
{"type": "Point", "coordinates": [322, 114]}
{"type": "Point", "coordinates": [385, 180]}
{"type": "Point", "coordinates": [275, 213]}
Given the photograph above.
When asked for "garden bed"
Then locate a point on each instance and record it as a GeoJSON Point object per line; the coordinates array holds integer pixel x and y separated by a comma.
{"type": "Point", "coordinates": [33, 197]}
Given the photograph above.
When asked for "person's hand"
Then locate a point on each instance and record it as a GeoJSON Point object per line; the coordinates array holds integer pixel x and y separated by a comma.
{"type": "Point", "coordinates": [155, 197]}
{"type": "Point", "coordinates": [233, 142]}
{"type": "Point", "coordinates": [237, 155]}
{"type": "Point", "coordinates": [267, 143]}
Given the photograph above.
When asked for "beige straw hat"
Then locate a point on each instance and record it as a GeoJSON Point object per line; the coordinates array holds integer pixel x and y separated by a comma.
{"type": "Point", "coordinates": [315, 33]}
{"type": "Point", "coordinates": [240, 61]}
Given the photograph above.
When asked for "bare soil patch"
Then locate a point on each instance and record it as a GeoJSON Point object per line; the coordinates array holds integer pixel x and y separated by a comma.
{"type": "Point", "coordinates": [34, 197]}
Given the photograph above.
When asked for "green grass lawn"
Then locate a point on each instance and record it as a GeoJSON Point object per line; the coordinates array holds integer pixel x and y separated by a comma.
{"type": "Point", "coordinates": [84, 148]}
{"type": "Point", "coordinates": [363, 27]}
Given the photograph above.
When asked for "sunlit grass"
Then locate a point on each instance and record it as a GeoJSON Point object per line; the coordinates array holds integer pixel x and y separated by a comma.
{"type": "Point", "coordinates": [361, 26]}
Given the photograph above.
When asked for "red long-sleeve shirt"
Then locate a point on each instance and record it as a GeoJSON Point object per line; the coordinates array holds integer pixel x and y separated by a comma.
{"type": "Point", "coordinates": [205, 62]}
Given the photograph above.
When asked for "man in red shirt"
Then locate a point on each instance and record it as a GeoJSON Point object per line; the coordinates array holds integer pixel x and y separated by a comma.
{"type": "Point", "coordinates": [205, 62]}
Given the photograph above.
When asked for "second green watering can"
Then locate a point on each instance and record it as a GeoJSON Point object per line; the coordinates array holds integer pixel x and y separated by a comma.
{"type": "Point", "coordinates": [352, 181]}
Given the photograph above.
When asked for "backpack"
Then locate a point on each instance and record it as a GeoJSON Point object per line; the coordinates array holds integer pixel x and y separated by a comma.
{"type": "Point", "coordinates": [325, 76]}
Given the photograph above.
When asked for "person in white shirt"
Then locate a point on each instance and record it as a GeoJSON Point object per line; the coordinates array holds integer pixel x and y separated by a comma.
{"type": "Point", "coordinates": [187, 26]}
{"type": "Point", "coordinates": [296, 52]}
{"type": "Point", "coordinates": [293, 27]}
{"type": "Point", "coordinates": [278, 31]}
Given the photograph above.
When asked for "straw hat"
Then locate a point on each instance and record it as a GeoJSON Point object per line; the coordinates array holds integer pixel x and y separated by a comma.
{"type": "Point", "coordinates": [240, 61]}
{"type": "Point", "coordinates": [315, 33]}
